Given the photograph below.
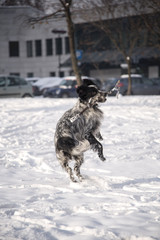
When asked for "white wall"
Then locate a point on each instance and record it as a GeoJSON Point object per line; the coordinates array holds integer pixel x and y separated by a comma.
{"type": "Point", "coordinates": [14, 28]}
{"type": "Point", "coordinates": [153, 72]}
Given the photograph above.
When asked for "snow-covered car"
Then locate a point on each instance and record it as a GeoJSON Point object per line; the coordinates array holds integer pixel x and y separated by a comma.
{"type": "Point", "coordinates": [32, 79]}
{"type": "Point", "coordinates": [40, 86]}
{"type": "Point", "coordinates": [14, 86]}
{"type": "Point", "coordinates": [67, 87]}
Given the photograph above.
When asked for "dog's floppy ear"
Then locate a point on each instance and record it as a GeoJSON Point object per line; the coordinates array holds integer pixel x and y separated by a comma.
{"type": "Point", "coordinates": [86, 92]}
{"type": "Point", "coordinates": [88, 82]}
{"type": "Point", "coordinates": [82, 92]}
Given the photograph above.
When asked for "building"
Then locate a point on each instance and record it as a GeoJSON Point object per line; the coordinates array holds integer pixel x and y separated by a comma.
{"type": "Point", "coordinates": [32, 51]}
{"type": "Point", "coordinates": [102, 59]}
{"type": "Point", "coordinates": [110, 32]}
{"type": "Point", "coordinates": [43, 50]}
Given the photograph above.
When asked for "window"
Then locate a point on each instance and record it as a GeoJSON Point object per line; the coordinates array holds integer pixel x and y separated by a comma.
{"type": "Point", "coordinates": [58, 46]}
{"type": "Point", "coordinates": [49, 47]}
{"type": "Point", "coordinates": [22, 81]}
{"type": "Point", "coordinates": [67, 48]}
{"type": "Point", "coordinates": [14, 74]}
{"type": "Point", "coordinates": [30, 74]}
{"type": "Point", "coordinates": [29, 46]}
{"type": "Point", "coordinates": [52, 74]}
{"type": "Point", "coordinates": [69, 83]}
{"type": "Point", "coordinates": [13, 81]}
{"type": "Point", "coordinates": [2, 82]}
{"type": "Point", "coordinates": [38, 48]}
{"type": "Point", "coordinates": [137, 80]}
{"type": "Point", "coordinates": [14, 49]}
{"type": "Point", "coordinates": [61, 74]}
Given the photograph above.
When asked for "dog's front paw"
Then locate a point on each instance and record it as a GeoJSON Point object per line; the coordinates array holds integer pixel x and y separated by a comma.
{"type": "Point", "coordinates": [99, 136]}
{"type": "Point", "coordinates": [81, 178]}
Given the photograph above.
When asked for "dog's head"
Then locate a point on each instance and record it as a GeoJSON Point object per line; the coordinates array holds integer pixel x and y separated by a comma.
{"type": "Point", "coordinates": [89, 91]}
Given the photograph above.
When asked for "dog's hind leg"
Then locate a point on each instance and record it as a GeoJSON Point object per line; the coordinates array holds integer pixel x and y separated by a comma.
{"type": "Point", "coordinates": [69, 171]}
{"type": "Point", "coordinates": [64, 160]}
{"type": "Point", "coordinates": [79, 161]}
{"type": "Point", "coordinates": [95, 145]}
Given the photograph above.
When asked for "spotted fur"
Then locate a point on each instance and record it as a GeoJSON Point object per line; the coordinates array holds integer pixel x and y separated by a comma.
{"type": "Point", "coordinates": [78, 129]}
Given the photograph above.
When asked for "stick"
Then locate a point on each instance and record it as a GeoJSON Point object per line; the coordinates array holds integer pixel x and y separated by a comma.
{"type": "Point", "coordinates": [115, 88]}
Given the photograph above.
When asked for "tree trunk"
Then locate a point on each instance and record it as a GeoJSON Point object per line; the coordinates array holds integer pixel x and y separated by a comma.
{"type": "Point", "coordinates": [72, 45]}
{"type": "Point", "coordinates": [129, 76]}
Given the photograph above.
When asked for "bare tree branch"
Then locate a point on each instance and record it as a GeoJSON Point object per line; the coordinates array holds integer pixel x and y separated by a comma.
{"type": "Point", "coordinates": [122, 24]}
{"type": "Point", "coordinates": [57, 14]}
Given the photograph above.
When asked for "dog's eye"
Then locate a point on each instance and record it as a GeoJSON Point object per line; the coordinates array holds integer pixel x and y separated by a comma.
{"type": "Point", "coordinates": [94, 92]}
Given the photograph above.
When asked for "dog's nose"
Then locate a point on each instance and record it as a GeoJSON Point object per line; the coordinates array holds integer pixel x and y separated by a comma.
{"type": "Point", "coordinates": [105, 94]}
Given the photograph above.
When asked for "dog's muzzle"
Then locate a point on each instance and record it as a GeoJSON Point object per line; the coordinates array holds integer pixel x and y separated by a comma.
{"type": "Point", "coordinates": [102, 96]}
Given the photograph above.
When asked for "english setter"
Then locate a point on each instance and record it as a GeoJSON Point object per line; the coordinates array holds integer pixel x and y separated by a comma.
{"type": "Point", "coordinates": [78, 129]}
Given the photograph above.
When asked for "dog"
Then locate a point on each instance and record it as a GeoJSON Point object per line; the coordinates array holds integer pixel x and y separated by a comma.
{"type": "Point", "coordinates": [78, 129]}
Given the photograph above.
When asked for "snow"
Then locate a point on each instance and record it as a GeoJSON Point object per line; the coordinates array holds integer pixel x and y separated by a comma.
{"type": "Point", "coordinates": [47, 82]}
{"type": "Point", "coordinates": [119, 198]}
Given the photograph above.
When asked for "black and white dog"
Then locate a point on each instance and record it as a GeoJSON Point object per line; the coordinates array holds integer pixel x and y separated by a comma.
{"type": "Point", "coordinates": [78, 129]}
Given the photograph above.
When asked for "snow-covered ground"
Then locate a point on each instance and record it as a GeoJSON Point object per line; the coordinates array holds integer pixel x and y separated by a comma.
{"type": "Point", "coordinates": [119, 198]}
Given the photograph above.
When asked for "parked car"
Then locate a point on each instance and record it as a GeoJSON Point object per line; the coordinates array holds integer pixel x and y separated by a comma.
{"type": "Point", "coordinates": [140, 85]}
{"type": "Point", "coordinates": [109, 83]}
{"type": "Point", "coordinates": [40, 86]}
{"type": "Point", "coordinates": [14, 86]}
{"type": "Point", "coordinates": [67, 87]}
{"type": "Point", "coordinates": [32, 79]}
{"type": "Point", "coordinates": [156, 81]}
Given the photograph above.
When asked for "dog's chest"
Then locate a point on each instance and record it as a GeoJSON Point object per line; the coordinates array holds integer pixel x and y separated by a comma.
{"type": "Point", "coordinates": [93, 116]}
